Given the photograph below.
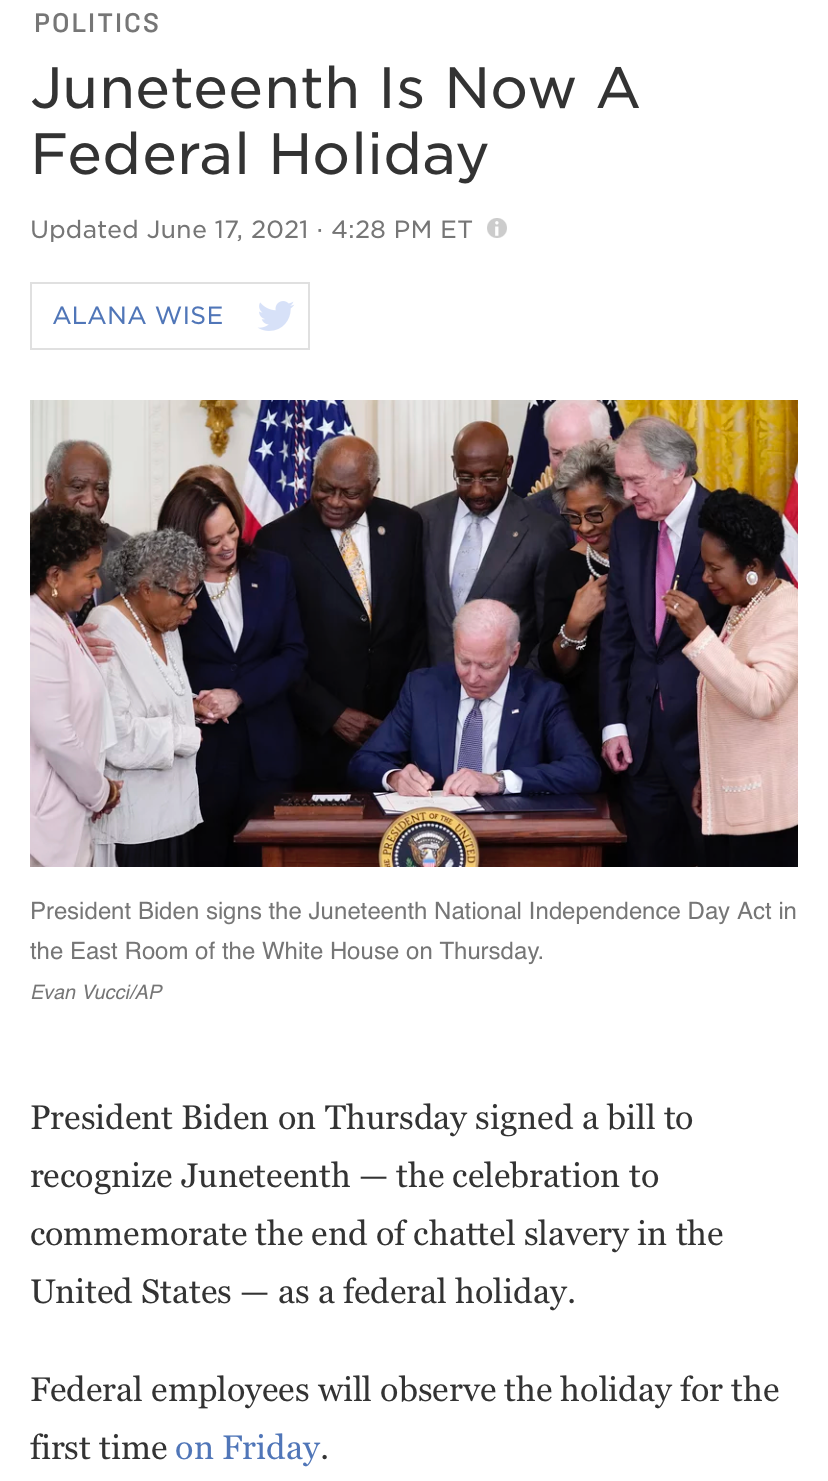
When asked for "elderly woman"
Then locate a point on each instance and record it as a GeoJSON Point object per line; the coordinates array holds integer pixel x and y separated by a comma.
{"type": "Point", "coordinates": [71, 720]}
{"type": "Point", "coordinates": [158, 578]}
{"type": "Point", "coordinates": [244, 651]}
{"type": "Point", "coordinates": [589, 495]}
{"type": "Point", "coordinates": [746, 796]}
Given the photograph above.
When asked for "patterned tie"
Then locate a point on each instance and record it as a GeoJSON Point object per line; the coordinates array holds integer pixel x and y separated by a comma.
{"type": "Point", "coordinates": [664, 573]}
{"type": "Point", "coordinates": [471, 740]}
{"type": "Point", "coordinates": [356, 570]}
{"type": "Point", "coordinates": [467, 563]}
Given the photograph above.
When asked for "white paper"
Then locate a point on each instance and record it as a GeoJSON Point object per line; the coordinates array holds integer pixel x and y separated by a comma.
{"type": "Point", "coordinates": [397, 802]}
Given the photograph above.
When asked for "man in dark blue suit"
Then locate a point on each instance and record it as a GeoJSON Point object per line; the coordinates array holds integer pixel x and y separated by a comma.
{"type": "Point", "coordinates": [648, 687]}
{"type": "Point", "coordinates": [479, 725]}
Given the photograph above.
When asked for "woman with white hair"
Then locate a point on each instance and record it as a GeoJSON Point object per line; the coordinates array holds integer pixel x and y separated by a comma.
{"type": "Point", "coordinates": [158, 577]}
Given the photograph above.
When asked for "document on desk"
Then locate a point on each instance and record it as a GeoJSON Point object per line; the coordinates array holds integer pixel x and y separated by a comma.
{"type": "Point", "coordinates": [393, 802]}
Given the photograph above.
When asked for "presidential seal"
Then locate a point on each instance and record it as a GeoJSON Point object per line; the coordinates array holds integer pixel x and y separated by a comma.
{"type": "Point", "coordinates": [429, 838]}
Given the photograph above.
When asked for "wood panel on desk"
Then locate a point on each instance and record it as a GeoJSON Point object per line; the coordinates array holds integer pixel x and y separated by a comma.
{"type": "Point", "coordinates": [507, 840]}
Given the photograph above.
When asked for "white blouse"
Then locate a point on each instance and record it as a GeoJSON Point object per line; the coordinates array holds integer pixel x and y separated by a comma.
{"type": "Point", "coordinates": [154, 752]}
{"type": "Point", "coordinates": [229, 608]}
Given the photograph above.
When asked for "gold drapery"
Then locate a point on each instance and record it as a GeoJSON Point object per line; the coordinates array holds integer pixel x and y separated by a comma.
{"type": "Point", "coordinates": [745, 445]}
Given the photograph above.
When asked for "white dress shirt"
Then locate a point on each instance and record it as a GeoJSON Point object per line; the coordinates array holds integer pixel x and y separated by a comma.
{"type": "Point", "coordinates": [462, 519]}
{"type": "Point", "coordinates": [361, 533]}
{"type": "Point", "coordinates": [229, 607]}
{"type": "Point", "coordinates": [491, 710]}
{"type": "Point", "coordinates": [675, 522]}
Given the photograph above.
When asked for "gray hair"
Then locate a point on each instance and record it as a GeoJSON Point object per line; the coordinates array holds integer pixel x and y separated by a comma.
{"type": "Point", "coordinates": [54, 467]}
{"type": "Point", "coordinates": [486, 616]}
{"type": "Point", "coordinates": [160, 557]}
{"type": "Point", "coordinates": [599, 417]}
{"type": "Point", "coordinates": [592, 462]}
{"type": "Point", "coordinates": [665, 444]}
{"type": "Point", "coordinates": [367, 451]}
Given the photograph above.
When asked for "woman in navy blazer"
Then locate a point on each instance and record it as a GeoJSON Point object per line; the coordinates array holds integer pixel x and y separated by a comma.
{"type": "Point", "coordinates": [244, 649]}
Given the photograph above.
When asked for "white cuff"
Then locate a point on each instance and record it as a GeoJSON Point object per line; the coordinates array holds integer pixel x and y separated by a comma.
{"type": "Point", "coordinates": [609, 732]}
{"type": "Point", "coordinates": [385, 786]}
{"type": "Point", "coordinates": [513, 782]}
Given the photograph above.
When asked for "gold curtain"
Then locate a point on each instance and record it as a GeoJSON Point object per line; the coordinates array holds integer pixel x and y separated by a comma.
{"type": "Point", "coordinates": [746, 445]}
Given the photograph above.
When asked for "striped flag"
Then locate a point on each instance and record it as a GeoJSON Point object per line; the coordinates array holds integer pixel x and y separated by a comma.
{"type": "Point", "coordinates": [790, 520]}
{"type": "Point", "coordinates": [287, 438]}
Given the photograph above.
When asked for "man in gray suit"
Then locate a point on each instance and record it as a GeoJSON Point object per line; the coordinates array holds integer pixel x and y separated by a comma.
{"type": "Point", "coordinates": [78, 475]}
{"type": "Point", "coordinates": [483, 541]}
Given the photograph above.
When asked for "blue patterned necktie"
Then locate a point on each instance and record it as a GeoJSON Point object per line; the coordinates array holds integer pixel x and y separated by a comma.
{"type": "Point", "coordinates": [471, 740]}
{"type": "Point", "coordinates": [467, 563]}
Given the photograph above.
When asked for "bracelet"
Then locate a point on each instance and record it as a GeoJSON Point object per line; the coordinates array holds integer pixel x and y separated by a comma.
{"type": "Point", "coordinates": [578, 643]}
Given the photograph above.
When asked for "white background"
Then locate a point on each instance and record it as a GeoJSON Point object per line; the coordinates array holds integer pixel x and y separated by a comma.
{"type": "Point", "coordinates": [670, 251]}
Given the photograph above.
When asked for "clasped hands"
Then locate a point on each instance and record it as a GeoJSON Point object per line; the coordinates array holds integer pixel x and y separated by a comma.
{"type": "Point", "coordinates": [410, 781]}
{"type": "Point", "coordinates": [211, 705]}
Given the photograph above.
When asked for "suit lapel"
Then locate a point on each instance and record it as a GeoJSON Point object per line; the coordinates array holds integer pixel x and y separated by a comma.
{"type": "Point", "coordinates": [647, 530]}
{"type": "Point", "coordinates": [513, 707]}
{"type": "Point", "coordinates": [378, 546]}
{"type": "Point", "coordinates": [447, 726]}
{"type": "Point", "coordinates": [688, 563]}
{"type": "Point", "coordinates": [208, 617]}
{"type": "Point", "coordinates": [442, 547]}
{"type": "Point", "coordinates": [321, 543]}
{"type": "Point", "coordinates": [507, 538]}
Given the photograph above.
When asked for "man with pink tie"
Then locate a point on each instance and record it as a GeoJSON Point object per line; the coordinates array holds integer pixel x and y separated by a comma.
{"type": "Point", "coordinates": [648, 687]}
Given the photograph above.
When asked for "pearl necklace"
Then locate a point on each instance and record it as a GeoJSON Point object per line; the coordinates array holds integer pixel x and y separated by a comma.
{"type": "Point", "coordinates": [592, 555]}
{"type": "Point", "coordinates": [742, 612]}
{"type": "Point", "coordinates": [164, 667]}
{"type": "Point", "coordinates": [216, 596]}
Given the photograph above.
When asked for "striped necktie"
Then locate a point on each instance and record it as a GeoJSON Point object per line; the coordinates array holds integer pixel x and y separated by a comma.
{"type": "Point", "coordinates": [356, 570]}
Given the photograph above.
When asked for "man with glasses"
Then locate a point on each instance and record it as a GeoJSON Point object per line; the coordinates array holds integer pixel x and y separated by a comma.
{"type": "Point", "coordinates": [357, 564]}
{"type": "Point", "coordinates": [483, 541]}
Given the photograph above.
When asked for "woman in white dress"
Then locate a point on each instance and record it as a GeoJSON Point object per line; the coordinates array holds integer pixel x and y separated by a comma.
{"type": "Point", "coordinates": [158, 578]}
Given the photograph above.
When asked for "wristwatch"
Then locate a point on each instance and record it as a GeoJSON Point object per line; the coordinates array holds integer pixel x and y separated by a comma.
{"type": "Point", "coordinates": [500, 779]}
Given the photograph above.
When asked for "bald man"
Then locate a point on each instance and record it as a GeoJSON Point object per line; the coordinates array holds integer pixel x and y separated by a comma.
{"type": "Point", "coordinates": [483, 541]}
{"type": "Point", "coordinates": [357, 565]}
{"type": "Point", "coordinates": [478, 725]}
{"type": "Point", "coordinates": [567, 424]}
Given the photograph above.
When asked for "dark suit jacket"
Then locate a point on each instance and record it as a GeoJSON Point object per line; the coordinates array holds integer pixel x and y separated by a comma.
{"type": "Point", "coordinates": [353, 663]}
{"type": "Point", "coordinates": [269, 659]}
{"type": "Point", "coordinates": [513, 570]}
{"type": "Point", "coordinates": [543, 500]}
{"type": "Point", "coordinates": [114, 540]}
{"type": "Point", "coordinates": [634, 669]}
{"type": "Point", "coordinates": [538, 739]}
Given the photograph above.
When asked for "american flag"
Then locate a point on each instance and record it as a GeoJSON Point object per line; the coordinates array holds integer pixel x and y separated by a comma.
{"type": "Point", "coordinates": [533, 457]}
{"type": "Point", "coordinates": [790, 521]}
{"type": "Point", "coordinates": [287, 438]}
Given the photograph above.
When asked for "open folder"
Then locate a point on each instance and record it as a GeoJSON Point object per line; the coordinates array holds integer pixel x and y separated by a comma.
{"type": "Point", "coordinates": [393, 802]}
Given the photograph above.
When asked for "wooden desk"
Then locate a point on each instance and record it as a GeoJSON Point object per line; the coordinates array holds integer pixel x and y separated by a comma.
{"type": "Point", "coordinates": [505, 839]}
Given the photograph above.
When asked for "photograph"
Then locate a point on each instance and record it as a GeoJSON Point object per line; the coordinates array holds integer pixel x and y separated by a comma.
{"type": "Point", "coordinates": [414, 633]}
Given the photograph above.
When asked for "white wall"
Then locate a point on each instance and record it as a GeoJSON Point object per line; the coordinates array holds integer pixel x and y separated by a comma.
{"type": "Point", "coordinates": [152, 442]}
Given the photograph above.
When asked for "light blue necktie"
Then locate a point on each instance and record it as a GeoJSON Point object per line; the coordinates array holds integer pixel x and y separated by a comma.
{"type": "Point", "coordinates": [467, 563]}
{"type": "Point", "coordinates": [471, 740]}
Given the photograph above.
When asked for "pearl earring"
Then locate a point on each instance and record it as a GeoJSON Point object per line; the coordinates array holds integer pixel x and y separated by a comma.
{"type": "Point", "coordinates": [752, 578]}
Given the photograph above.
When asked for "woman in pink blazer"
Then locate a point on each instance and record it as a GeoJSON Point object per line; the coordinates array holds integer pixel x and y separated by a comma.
{"type": "Point", "coordinates": [746, 795]}
{"type": "Point", "coordinates": [69, 704]}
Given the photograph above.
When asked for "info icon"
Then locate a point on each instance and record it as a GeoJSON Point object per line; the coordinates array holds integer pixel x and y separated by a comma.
{"type": "Point", "coordinates": [496, 227]}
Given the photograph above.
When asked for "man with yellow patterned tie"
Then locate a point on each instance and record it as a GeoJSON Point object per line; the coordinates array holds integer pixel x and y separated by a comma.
{"type": "Point", "coordinates": [357, 564]}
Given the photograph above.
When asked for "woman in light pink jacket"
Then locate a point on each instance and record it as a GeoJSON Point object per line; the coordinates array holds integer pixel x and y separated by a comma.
{"type": "Point", "coordinates": [746, 795]}
{"type": "Point", "coordinates": [69, 703]}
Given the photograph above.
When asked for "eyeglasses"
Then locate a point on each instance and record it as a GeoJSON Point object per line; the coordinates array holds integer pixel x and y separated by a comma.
{"type": "Point", "coordinates": [353, 496]}
{"type": "Point", "coordinates": [183, 596]}
{"type": "Point", "coordinates": [488, 480]}
{"type": "Point", "coordinates": [592, 516]}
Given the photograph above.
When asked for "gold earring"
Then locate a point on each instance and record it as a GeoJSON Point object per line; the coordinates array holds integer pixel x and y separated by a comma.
{"type": "Point", "coordinates": [54, 591]}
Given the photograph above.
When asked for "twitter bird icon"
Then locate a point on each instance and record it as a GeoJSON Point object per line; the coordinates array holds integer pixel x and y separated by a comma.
{"type": "Point", "coordinates": [275, 318]}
